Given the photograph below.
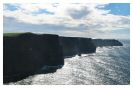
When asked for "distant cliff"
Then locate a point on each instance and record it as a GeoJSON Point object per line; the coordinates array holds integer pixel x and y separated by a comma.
{"type": "Point", "coordinates": [106, 42]}
{"type": "Point", "coordinates": [76, 45]}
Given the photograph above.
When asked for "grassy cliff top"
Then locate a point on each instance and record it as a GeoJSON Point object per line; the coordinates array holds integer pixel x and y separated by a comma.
{"type": "Point", "coordinates": [11, 34]}
{"type": "Point", "coordinates": [14, 34]}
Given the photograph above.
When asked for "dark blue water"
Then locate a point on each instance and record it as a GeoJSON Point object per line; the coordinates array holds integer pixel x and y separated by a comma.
{"type": "Point", "coordinates": [108, 66]}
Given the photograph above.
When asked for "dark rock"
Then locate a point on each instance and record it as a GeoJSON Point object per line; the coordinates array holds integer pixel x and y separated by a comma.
{"type": "Point", "coordinates": [76, 45]}
{"type": "Point", "coordinates": [69, 46]}
{"type": "Point", "coordinates": [27, 53]}
{"type": "Point", "coordinates": [106, 42]}
{"type": "Point", "coordinates": [86, 46]}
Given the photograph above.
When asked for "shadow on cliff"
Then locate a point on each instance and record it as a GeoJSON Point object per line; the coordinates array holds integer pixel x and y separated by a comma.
{"type": "Point", "coordinates": [26, 54]}
{"type": "Point", "coordinates": [72, 46]}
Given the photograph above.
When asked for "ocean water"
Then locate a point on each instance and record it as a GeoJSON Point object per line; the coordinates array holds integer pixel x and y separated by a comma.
{"type": "Point", "coordinates": [108, 66]}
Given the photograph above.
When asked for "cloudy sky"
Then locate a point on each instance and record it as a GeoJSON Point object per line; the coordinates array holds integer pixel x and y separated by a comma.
{"type": "Point", "coordinates": [107, 20]}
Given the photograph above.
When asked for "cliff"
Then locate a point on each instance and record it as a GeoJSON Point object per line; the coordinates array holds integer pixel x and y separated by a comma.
{"type": "Point", "coordinates": [76, 45]}
{"type": "Point", "coordinates": [86, 46]}
{"type": "Point", "coordinates": [27, 53]}
{"type": "Point", "coordinates": [106, 42]}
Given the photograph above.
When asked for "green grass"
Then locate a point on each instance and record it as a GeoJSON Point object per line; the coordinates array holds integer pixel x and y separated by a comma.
{"type": "Point", "coordinates": [11, 34]}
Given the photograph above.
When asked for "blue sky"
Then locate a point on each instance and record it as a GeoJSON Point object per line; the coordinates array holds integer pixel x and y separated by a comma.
{"type": "Point", "coordinates": [119, 8]}
{"type": "Point", "coordinates": [110, 20]}
{"type": "Point", "coordinates": [11, 7]}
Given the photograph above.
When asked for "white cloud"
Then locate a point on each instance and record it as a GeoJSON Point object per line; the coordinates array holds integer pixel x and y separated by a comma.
{"type": "Point", "coordinates": [74, 16]}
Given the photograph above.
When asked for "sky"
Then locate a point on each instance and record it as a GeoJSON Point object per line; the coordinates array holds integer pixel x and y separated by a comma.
{"type": "Point", "coordinates": [95, 20]}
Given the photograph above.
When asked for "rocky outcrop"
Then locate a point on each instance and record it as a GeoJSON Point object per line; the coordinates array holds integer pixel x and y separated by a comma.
{"type": "Point", "coordinates": [106, 42]}
{"type": "Point", "coordinates": [76, 45]}
{"type": "Point", "coordinates": [28, 53]}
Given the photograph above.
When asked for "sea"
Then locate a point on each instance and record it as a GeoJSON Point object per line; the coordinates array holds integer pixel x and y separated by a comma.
{"type": "Point", "coordinates": [110, 65]}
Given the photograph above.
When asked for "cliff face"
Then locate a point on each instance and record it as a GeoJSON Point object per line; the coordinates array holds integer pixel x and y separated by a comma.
{"type": "Point", "coordinates": [75, 45]}
{"type": "Point", "coordinates": [27, 53]}
{"type": "Point", "coordinates": [86, 46]}
{"type": "Point", "coordinates": [69, 46]}
{"type": "Point", "coordinates": [106, 42]}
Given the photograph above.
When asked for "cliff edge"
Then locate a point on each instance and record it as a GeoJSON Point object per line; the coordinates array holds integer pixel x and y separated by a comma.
{"type": "Point", "coordinates": [106, 42]}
